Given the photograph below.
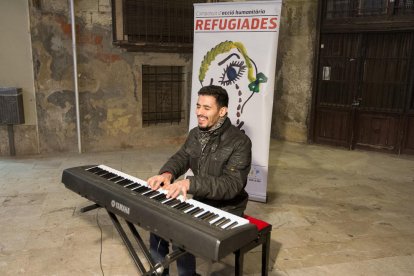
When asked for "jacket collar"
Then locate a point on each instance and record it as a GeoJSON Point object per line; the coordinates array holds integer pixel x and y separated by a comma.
{"type": "Point", "coordinates": [218, 132]}
{"type": "Point", "coordinates": [226, 124]}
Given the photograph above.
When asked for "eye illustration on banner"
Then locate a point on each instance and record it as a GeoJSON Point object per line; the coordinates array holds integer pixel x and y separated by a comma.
{"type": "Point", "coordinates": [228, 65]}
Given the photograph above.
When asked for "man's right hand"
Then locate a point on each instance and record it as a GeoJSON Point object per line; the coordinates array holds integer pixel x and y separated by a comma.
{"type": "Point", "coordinates": [156, 181]}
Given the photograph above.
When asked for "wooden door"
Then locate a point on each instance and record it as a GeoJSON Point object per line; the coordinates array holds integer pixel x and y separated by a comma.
{"type": "Point", "coordinates": [363, 90]}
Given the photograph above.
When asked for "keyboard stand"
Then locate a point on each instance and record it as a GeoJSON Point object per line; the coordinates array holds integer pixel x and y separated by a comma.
{"type": "Point", "coordinates": [155, 268]}
{"type": "Point", "coordinates": [263, 238]}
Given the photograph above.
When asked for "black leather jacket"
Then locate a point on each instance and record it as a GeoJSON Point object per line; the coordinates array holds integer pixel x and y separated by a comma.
{"type": "Point", "coordinates": [220, 171]}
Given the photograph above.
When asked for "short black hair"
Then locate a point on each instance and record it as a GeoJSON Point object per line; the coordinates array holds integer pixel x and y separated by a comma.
{"type": "Point", "coordinates": [218, 92]}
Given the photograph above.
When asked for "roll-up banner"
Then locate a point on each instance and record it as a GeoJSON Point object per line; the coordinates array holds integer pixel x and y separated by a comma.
{"type": "Point", "coordinates": [235, 46]}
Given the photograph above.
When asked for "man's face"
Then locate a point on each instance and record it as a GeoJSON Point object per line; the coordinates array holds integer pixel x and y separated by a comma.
{"type": "Point", "coordinates": [208, 112]}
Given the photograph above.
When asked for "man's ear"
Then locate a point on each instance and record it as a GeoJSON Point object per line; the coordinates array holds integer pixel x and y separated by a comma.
{"type": "Point", "coordinates": [222, 111]}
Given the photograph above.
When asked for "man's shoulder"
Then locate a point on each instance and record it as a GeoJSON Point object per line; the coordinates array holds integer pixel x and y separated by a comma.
{"type": "Point", "coordinates": [193, 131]}
{"type": "Point", "coordinates": [234, 133]}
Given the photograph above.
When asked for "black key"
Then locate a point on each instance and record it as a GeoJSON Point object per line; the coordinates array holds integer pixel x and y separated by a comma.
{"type": "Point", "coordinates": [160, 197]}
{"type": "Point", "coordinates": [102, 175]}
{"type": "Point", "coordinates": [135, 184]}
{"type": "Point", "coordinates": [125, 182]}
{"type": "Point", "coordinates": [179, 206]}
{"type": "Point", "coordinates": [212, 217]}
{"type": "Point", "coordinates": [114, 177]}
{"type": "Point", "coordinates": [149, 194]}
{"type": "Point", "coordinates": [132, 186]}
{"type": "Point", "coordinates": [118, 178]}
{"type": "Point", "coordinates": [101, 172]}
{"type": "Point", "coordinates": [198, 212]}
{"type": "Point", "coordinates": [143, 190]}
{"type": "Point", "coordinates": [219, 221]}
{"type": "Point", "coordinates": [139, 189]}
{"type": "Point", "coordinates": [231, 225]}
{"type": "Point", "coordinates": [184, 207]}
{"type": "Point", "coordinates": [207, 218]}
{"type": "Point", "coordinates": [194, 210]}
{"type": "Point", "coordinates": [94, 169]}
{"type": "Point", "coordinates": [108, 175]}
{"type": "Point", "coordinates": [168, 201]}
{"type": "Point", "coordinates": [203, 216]}
{"type": "Point", "coordinates": [223, 222]}
{"type": "Point", "coordinates": [187, 208]}
{"type": "Point", "coordinates": [157, 193]}
{"type": "Point", "coordinates": [172, 202]}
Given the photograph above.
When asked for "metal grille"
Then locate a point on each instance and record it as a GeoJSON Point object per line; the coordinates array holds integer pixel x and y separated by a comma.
{"type": "Point", "coordinates": [162, 94]}
{"type": "Point", "coordinates": [362, 8]}
{"type": "Point", "coordinates": [11, 106]}
{"type": "Point", "coordinates": [386, 71]}
{"type": "Point", "coordinates": [159, 21]}
{"type": "Point", "coordinates": [404, 6]}
{"type": "Point", "coordinates": [338, 8]}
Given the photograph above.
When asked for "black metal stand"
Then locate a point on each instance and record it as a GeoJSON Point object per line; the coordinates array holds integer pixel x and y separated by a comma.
{"type": "Point", "coordinates": [263, 239]}
{"type": "Point", "coordinates": [89, 208]}
{"type": "Point", "coordinates": [155, 268]}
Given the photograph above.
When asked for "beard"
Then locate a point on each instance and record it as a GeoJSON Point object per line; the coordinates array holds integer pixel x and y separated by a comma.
{"type": "Point", "coordinates": [205, 128]}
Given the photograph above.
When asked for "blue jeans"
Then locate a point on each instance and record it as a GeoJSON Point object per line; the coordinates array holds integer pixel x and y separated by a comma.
{"type": "Point", "coordinates": [186, 264]}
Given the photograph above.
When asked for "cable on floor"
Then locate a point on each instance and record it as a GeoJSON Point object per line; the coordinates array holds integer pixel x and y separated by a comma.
{"type": "Point", "coordinates": [100, 253]}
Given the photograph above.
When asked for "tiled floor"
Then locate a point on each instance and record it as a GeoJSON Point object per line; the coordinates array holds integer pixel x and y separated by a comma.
{"type": "Point", "coordinates": [333, 211]}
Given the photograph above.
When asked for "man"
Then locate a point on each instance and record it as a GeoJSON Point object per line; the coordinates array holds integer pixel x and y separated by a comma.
{"type": "Point", "coordinates": [219, 155]}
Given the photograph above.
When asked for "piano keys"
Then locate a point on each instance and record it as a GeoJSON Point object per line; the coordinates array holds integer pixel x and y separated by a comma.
{"type": "Point", "coordinates": [201, 229]}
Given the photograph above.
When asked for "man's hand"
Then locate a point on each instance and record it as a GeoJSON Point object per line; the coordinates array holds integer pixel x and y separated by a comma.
{"type": "Point", "coordinates": [157, 181]}
{"type": "Point", "coordinates": [177, 188]}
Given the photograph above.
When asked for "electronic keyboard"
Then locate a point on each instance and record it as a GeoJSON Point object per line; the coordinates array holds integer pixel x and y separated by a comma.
{"type": "Point", "coordinates": [195, 227]}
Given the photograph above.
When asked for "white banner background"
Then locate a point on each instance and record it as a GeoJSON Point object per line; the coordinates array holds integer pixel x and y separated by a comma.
{"type": "Point", "coordinates": [233, 43]}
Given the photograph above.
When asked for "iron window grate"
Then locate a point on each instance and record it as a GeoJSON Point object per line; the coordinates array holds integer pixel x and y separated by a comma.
{"type": "Point", "coordinates": [336, 9]}
{"type": "Point", "coordinates": [159, 21]}
{"type": "Point", "coordinates": [162, 94]}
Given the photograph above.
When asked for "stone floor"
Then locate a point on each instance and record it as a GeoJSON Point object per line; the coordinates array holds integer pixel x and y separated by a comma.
{"type": "Point", "coordinates": [333, 211]}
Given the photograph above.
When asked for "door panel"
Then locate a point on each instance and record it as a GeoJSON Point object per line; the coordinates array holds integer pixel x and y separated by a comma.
{"type": "Point", "coordinates": [363, 90]}
{"type": "Point", "coordinates": [332, 127]}
{"type": "Point", "coordinates": [382, 94]}
{"type": "Point", "coordinates": [377, 131]}
{"type": "Point", "coordinates": [338, 71]}
{"type": "Point", "coordinates": [409, 136]}
{"type": "Point", "coordinates": [385, 73]}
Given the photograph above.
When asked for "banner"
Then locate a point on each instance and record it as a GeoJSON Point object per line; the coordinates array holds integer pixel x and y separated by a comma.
{"type": "Point", "coordinates": [235, 46]}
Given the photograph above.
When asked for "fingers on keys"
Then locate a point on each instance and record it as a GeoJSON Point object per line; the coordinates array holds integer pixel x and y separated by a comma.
{"type": "Point", "coordinates": [177, 188]}
{"type": "Point", "coordinates": [157, 181]}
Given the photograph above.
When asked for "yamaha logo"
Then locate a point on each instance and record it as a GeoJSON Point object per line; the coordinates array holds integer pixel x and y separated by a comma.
{"type": "Point", "coordinates": [120, 207]}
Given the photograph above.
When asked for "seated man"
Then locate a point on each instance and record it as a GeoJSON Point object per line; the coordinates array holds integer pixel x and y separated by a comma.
{"type": "Point", "coordinates": [219, 155]}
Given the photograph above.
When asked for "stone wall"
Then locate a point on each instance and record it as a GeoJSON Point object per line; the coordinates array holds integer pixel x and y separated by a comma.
{"type": "Point", "coordinates": [294, 71]}
{"type": "Point", "coordinates": [108, 77]}
{"type": "Point", "coordinates": [110, 81]}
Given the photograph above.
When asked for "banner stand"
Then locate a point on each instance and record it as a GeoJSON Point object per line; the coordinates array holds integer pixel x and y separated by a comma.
{"type": "Point", "coordinates": [235, 46]}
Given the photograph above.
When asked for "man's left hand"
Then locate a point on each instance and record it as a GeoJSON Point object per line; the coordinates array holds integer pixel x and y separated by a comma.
{"type": "Point", "coordinates": [177, 188]}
